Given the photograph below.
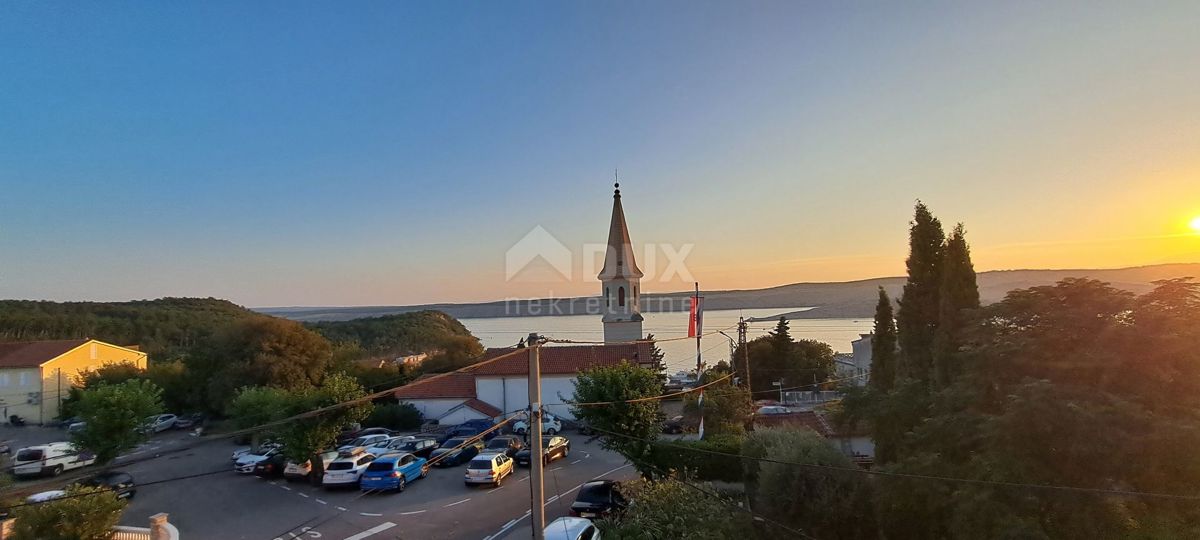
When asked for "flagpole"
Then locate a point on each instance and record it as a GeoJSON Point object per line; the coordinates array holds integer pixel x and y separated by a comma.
{"type": "Point", "coordinates": [699, 364]}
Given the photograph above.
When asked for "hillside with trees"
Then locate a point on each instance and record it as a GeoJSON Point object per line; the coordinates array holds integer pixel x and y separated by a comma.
{"type": "Point", "coordinates": [402, 334]}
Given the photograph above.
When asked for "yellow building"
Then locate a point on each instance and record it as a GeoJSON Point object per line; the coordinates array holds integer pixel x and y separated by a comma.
{"type": "Point", "coordinates": [36, 375]}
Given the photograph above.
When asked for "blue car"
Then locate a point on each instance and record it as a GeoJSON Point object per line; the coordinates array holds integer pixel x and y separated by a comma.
{"type": "Point", "coordinates": [393, 472]}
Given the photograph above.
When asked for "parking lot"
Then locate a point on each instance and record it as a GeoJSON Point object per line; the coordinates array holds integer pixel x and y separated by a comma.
{"type": "Point", "coordinates": [220, 504]}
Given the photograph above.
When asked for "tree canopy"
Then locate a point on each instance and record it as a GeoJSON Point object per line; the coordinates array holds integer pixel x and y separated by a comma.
{"type": "Point", "coordinates": [641, 420]}
{"type": "Point", "coordinates": [115, 416]}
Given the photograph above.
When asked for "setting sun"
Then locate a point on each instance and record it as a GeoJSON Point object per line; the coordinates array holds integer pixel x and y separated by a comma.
{"type": "Point", "coordinates": [1195, 223]}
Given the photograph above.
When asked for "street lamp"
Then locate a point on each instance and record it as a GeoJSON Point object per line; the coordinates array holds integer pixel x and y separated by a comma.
{"type": "Point", "coordinates": [779, 383]}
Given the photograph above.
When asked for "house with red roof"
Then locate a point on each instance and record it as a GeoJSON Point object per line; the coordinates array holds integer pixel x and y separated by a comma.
{"type": "Point", "coordinates": [499, 383]}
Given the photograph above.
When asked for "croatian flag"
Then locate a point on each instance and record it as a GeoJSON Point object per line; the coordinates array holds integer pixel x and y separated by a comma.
{"type": "Point", "coordinates": [696, 321]}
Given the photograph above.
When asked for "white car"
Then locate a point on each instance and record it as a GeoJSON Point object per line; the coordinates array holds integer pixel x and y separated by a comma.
{"type": "Point", "coordinates": [772, 410]}
{"type": "Point", "coordinates": [571, 528]}
{"type": "Point", "coordinates": [245, 464]}
{"type": "Point", "coordinates": [364, 441]}
{"type": "Point", "coordinates": [160, 422]}
{"type": "Point", "coordinates": [389, 445]}
{"type": "Point", "coordinates": [550, 425]}
{"type": "Point", "coordinates": [52, 458]}
{"type": "Point", "coordinates": [300, 471]}
{"type": "Point", "coordinates": [46, 496]}
{"type": "Point", "coordinates": [262, 448]}
{"type": "Point", "coordinates": [347, 469]}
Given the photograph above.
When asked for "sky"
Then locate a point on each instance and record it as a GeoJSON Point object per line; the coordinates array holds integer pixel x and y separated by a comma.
{"type": "Point", "coordinates": [382, 153]}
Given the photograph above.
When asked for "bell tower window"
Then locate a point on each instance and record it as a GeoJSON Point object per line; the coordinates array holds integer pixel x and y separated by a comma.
{"type": "Point", "coordinates": [621, 296]}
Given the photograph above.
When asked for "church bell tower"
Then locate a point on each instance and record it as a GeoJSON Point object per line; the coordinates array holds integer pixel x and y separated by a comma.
{"type": "Point", "coordinates": [620, 281]}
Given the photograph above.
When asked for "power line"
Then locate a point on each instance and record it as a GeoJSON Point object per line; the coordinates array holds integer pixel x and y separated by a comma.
{"type": "Point", "coordinates": [889, 474]}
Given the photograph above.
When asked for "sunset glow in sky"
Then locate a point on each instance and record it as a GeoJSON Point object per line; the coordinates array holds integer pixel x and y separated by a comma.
{"type": "Point", "coordinates": [290, 154]}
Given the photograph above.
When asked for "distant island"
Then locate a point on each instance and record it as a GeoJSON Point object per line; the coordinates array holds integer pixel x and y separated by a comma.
{"type": "Point", "coordinates": [850, 299]}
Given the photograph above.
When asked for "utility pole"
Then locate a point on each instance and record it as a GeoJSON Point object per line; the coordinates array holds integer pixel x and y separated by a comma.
{"type": "Point", "coordinates": [537, 491]}
{"type": "Point", "coordinates": [743, 329]}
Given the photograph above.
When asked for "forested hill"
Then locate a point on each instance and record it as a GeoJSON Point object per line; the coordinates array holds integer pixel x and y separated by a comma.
{"type": "Point", "coordinates": [406, 333]}
{"type": "Point", "coordinates": [165, 325]}
{"type": "Point", "coordinates": [170, 327]}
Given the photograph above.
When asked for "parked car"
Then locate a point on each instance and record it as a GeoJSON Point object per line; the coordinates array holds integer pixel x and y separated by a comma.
{"type": "Point", "coordinates": [421, 447]}
{"type": "Point", "coordinates": [159, 423]}
{"type": "Point", "coordinates": [598, 498]}
{"type": "Point", "coordinates": [364, 441]}
{"type": "Point", "coordinates": [571, 528]}
{"type": "Point", "coordinates": [673, 425]}
{"type": "Point", "coordinates": [345, 437]}
{"type": "Point", "coordinates": [52, 459]}
{"type": "Point", "coordinates": [348, 468]}
{"type": "Point", "coordinates": [77, 427]}
{"type": "Point", "coordinates": [119, 481]}
{"type": "Point", "coordinates": [264, 447]}
{"type": "Point", "coordinates": [770, 410]}
{"type": "Point", "coordinates": [302, 471]}
{"type": "Point", "coordinates": [245, 464]}
{"type": "Point", "coordinates": [550, 425]}
{"type": "Point", "coordinates": [189, 421]}
{"type": "Point", "coordinates": [488, 469]}
{"type": "Point", "coordinates": [271, 467]}
{"type": "Point", "coordinates": [508, 444]}
{"type": "Point", "coordinates": [449, 454]}
{"type": "Point", "coordinates": [466, 432]}
{"type": "Point", "coordinates": [46, 496]}
{"type": "Point", "coordinates": [380, 447]}
{"type": "Point", "coordinates": [393, 472]}
{"type": "Point", "coordinates": [553, 448]}
{"type": "Point", "coordinates": [478, 423]}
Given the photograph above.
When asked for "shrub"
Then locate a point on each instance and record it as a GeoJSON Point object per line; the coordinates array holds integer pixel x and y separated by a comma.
{"type": "Point", "coordinates": [398, 416]}
{"type": "Point", "coordinates": [86, 513]}
{"type": "Point", "coordinates": [682, 456]}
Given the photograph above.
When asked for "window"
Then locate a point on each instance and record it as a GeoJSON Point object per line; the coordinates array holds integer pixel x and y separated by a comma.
{"type": "Point", "coordinates": [620, 296]}
{"type": "Point", "coordinates": [588, 534]}
{"type": "Point", "coordinates": [4, 379]}
{"type": "Point", "coordinates": [406, 460]}
{"type": "Point", "coordinates": [24, 379]}
{"type": "Point", "coordinates": [607, 297]}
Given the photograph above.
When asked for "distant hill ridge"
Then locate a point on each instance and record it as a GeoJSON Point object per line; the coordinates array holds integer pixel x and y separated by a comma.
{"type": "Point", "coordinates": [849, 299]}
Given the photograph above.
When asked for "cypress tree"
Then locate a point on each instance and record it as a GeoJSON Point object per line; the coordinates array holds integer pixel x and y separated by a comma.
{"type": "Point", "coordinates": [917, 319]}
{"type": "Point", "coordinates": [883, 345]}
{"type": "Point", "coordinates": [958, 294]}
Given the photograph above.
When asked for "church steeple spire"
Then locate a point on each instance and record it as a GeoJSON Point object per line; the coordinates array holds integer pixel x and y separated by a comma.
{"type": "Point", "coordinates": [618, 258]}
{"type": "Point", "coordinates": [621, 280]}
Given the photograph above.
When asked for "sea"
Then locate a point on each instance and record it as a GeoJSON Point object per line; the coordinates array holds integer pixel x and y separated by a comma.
{"type": "Point", "coordinates": [679, 355]}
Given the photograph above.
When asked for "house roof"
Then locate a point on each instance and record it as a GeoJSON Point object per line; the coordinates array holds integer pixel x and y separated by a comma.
{"type": "Point", "coordinates": [26, 354]}
{"type": "Point", "coordinates": [483, 407]}
{"type": "Point", "coordinates": [454, 385]}
{"type": "Point", "coordinates": [565, 360]}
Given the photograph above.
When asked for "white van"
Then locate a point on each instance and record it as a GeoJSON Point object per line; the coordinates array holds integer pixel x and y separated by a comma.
{"type": "Point", "coordinates": [52, 458]}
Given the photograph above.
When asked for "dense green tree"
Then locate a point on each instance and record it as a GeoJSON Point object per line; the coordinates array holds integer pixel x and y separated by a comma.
{"type": "Point", "coordinates": [667, 508]}
{"type": "Point", "coordinates": [639, 421]}
{"type": "Point", "coordinates": [824, 503]}
{"type": "Point", "coordinates": [402, 334]}
{"type": "Point", "coordinates": [115, 416]}
{"type": "Point", "coordinates": [86, 513]}
{"type": "Point", "coordinates": [263, 351]}
{"type": "Point", "coordinates": [917, 319]}
{"type": "Point", "coordinates": [776, 357]}
{"type": "Point", "coordinates": [1076, 384]}
{"type": "Point", "coordinates": [397, 416]}
{"type": "Point", "coordinates": [726, 407]}
{"type": "Point", "coordinates": [958, 295]}
{"type": "Point", "coordinates": [883, 345]}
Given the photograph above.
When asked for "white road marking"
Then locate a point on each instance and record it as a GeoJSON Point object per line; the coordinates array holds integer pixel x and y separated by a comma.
{"type": "Point", "coordinates": [456, 503]}
{"type": "Point", "coordinates": [576, 461]}
{"type": "Point", "coordinates": [373, 530]}
{"type": "Point", "coordinates": [493, 490]}
{"type": "Point", "coordinates": [413, 512]}
{"type": "Point", "coordinates": [523, 479]}
{"type": "Point", "coordinates": [342, 508]}
{"type": "Point", "coordinates": [369, 514]}
{"type": "Point", "coordinates": [510, 523]}
{"type": "Point", "coordinates": [305, 495]}
{"type": "Point", "coordinates": [285, 487]}
{"type": "Point", "coordinates": [555, 469]}
{"type": "Point", "coordinates": [320, 501]}
{"type": "Point", "coordinates": [552, 499]}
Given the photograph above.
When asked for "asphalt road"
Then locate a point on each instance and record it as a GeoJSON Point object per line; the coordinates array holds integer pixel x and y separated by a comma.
{"type": "Point", "coordinates": [223, 505]}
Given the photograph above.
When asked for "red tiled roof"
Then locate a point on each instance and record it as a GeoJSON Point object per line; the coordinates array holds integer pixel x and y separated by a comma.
{"type": "Point", "coordinates": [483, 407]}
{"type": "Point", "coordinates": [455, 385]}
{"type": "Point", "coordinates": [565, 360]}
{"type": "Point", "coordinates": [34, 353]}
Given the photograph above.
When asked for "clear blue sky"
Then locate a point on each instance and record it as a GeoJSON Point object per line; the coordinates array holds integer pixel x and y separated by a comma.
{"type": "Point", "coordinates": [303, 153]}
